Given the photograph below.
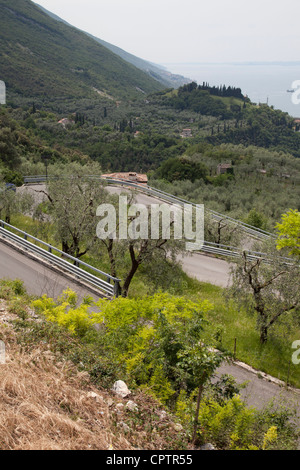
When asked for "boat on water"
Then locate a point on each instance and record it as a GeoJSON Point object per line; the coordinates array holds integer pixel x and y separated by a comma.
{"type": "Point", "coordinates": [290, 91]}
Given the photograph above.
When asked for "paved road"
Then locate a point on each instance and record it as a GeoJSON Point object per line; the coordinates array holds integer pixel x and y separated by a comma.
{"type": "Point", "coordinates": [201, 267]}
{"type": "Point", "coordinates": [41, 280]}
{"type": "Point", "coordinates": [37, 278]}
{"type": "Point", "coordinates": [259, 391]}
{"type": "Point", "coordinates": [206, 269]}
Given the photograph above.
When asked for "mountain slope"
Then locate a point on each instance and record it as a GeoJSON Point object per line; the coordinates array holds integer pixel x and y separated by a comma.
{"type": "Point", "coordinates": [155, 71]}
{"type": "Point", "coordinates": [40, 56]}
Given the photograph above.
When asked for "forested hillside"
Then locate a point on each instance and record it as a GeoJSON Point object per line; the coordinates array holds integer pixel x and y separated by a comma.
{"type": "Point", "coordinates": [41, 57]}
{"type": "Point", "coordinates": [76, 109]}
{"type": "Point", "coordinates": [91, 106]}
{"type": "Point", "coordinates": [158, 73]}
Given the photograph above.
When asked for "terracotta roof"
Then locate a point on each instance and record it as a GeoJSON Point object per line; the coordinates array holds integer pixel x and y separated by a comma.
{"type": "Point", "coordinates": [131, 176]}
{"type": "Point", "coordinates": [224, 165]}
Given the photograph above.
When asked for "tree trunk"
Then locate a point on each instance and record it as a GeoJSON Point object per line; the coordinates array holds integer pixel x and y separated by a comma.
{"type": "Point", "coordinates": [134, 267]}
{"type": "Point", "coordinates": [263, 334]}
{"type": "Point", "coordinates": [129, 278]}
{"type": "Point", "coordinates": [200, 392]}
{"type": "Point", "coordinates": [112, 259]}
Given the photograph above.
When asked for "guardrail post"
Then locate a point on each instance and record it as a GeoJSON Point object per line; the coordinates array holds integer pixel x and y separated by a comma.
{"type": "Point", "coordinates": [117, 289]}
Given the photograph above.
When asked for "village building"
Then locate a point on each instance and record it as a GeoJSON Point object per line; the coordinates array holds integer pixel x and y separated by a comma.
{"type": "Point", "coordinates": [224, 168]}
{"type": "Point", "coordinates": [130, 177]}
{"type": "Point", "coordinates": [66, 122]}
{"type": "Point", "coordinates": [186, 133]}
{"type": "Point", "coordinates": [297, 125]}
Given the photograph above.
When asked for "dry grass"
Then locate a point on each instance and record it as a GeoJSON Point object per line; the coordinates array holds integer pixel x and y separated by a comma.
{"type": "Point", "coordinates": [46, 404]}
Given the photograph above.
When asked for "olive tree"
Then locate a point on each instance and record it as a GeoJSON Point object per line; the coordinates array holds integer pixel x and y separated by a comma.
{"type": "Point", "coordinates": [128, 253]}
{"type": "Point", "coordinates": [13, 202]}
{"type": "Point", "coordinates": [221, 231]}
{"type": "Point", "coordinates": [269, 286]}
{"type": "Point", "coordinates": [73, 199]}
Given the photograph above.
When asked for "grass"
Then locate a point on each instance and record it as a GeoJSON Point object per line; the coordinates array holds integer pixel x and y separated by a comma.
{"type": "Point", "coordinates": [233, 323]}
{"type": "Point", "coordinates": [227, 321]}
{"type": "Point", "coordinates": [229, 100]}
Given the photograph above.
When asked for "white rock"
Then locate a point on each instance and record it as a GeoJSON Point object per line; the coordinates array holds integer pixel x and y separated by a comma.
{"type": "Point", "coordinates": [207, 447]}
{"type": "Point", "coordinates": [178, 427]}
{"type": "Point", "coordinates": [131, 406]}
{"type": "Point", "coordinates": [121, 389]}
{"type": "Point", "coordinates": [120, 407]}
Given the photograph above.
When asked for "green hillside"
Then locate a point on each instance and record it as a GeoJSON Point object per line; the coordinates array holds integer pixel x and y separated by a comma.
{"type": "Point", "coordinates": [157, 72]}
{"type": "Point", "coordinates": [42, 57]}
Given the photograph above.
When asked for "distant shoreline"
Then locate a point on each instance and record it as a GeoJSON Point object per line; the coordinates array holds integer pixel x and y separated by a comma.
{"type": "Point", "coordinates": [262, 82]}
{"type": "Point", "coordinates": [247, 64]}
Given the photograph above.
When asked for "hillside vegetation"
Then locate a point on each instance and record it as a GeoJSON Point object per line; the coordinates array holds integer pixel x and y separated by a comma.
{"type": "Point", "coordinates": [158, 73]}
{"type": "Point", "coordinates": [55, 387]}
{"type": "Point", "coordinates": [76, 109]}
{"type": "Point", "coordinates": [41, 57]}
{"type": "Point", "coordinates": [48, 402]}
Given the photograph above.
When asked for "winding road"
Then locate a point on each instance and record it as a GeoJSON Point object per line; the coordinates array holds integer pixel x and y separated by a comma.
{"type": "Point", "coordinates": [40, 279]}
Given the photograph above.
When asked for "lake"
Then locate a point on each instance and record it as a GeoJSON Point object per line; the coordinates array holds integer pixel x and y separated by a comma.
{"type": "Point", "coordinates": [263, 83]}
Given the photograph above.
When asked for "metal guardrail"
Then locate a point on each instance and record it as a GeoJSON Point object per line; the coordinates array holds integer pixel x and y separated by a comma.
{"type": "Point", "coordinates": [224, 250]}
{"type": "Point", "coordinates": [208, 247]}
{"type": "Point", "coordinates": [110, 286]}
{"type": "Point", "coordinates": [253, 231]}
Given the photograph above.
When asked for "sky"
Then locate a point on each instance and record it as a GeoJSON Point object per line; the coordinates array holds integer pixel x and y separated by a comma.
{"type": "Point", "coordinates": [184, 31]}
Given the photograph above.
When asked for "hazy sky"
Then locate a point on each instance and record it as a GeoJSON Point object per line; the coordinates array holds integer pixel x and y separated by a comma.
{"type": "Point", "coordinates": [166, 31]}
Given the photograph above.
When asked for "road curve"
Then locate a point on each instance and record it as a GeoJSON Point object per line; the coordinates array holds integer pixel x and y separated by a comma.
{"type": "Point", "coordinates": [37, 278]}
{"type": "Point", "coordinates": [199, 266]}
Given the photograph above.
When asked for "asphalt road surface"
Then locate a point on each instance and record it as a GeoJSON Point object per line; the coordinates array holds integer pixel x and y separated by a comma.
{"type": "Point", "coordinates": [259, 392]}
{"type": "Point", "coordinates": [37, 278]}
{"type": "Point", "coordinates": [202, 267]}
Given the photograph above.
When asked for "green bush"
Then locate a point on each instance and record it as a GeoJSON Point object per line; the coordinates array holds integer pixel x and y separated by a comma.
{"type": "Point", "coordinates": [9, 289]}
{"type": "Point", "coordinates": [230, 425]}
{"type": "Point", "coordinates": [156, 344]}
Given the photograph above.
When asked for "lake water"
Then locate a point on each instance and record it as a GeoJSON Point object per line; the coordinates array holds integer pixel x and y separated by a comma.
{"type": "Point", "coordinates": [262, 83]}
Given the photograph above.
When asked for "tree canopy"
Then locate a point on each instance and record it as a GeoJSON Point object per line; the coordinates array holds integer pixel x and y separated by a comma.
{"type": "Point", "coordinates": [289, 232]}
